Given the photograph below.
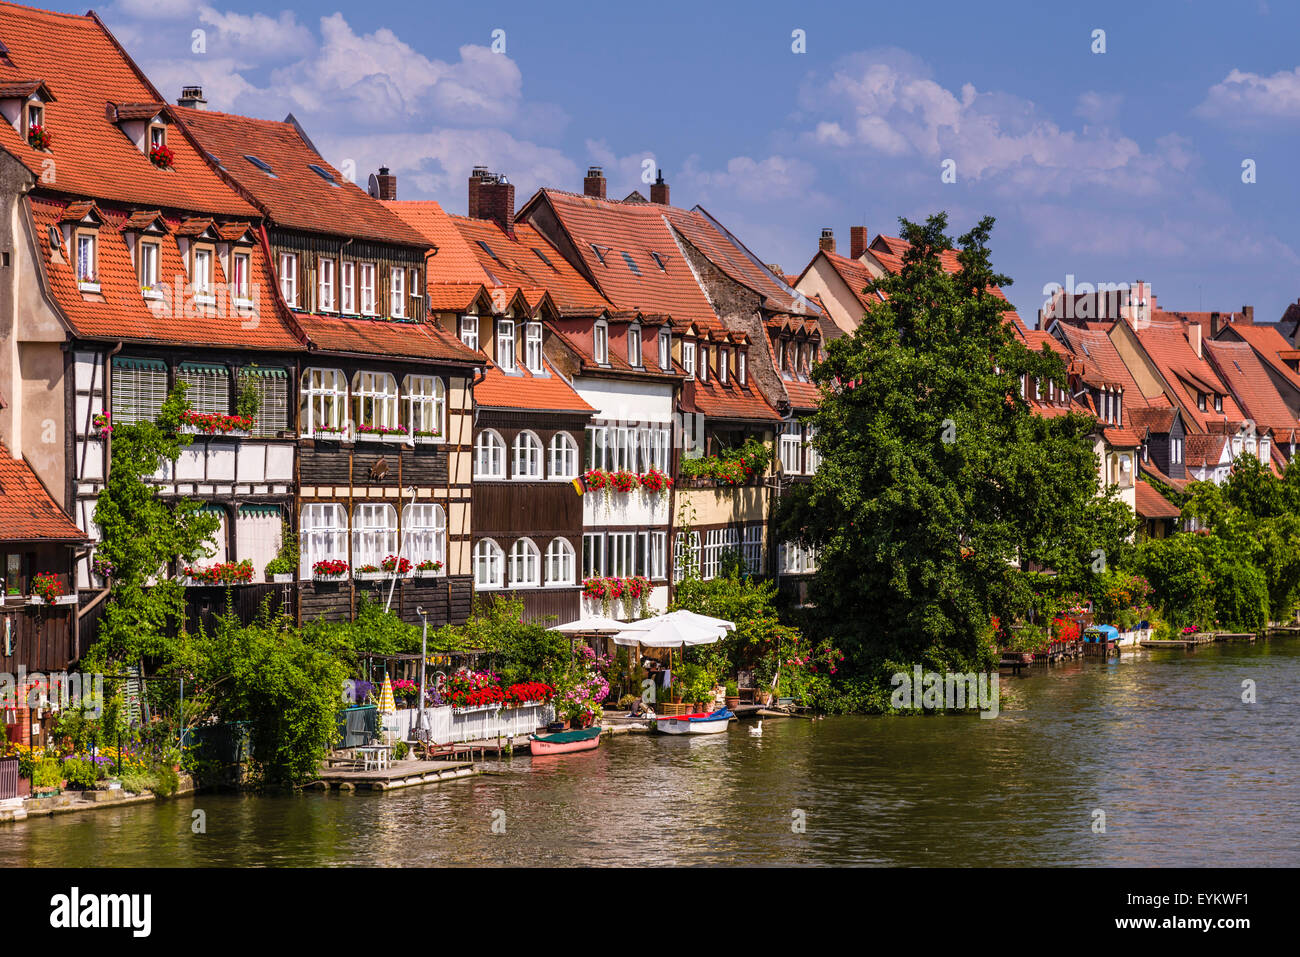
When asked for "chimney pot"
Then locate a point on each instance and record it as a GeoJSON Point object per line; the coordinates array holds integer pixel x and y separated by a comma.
{"type": "Point", "coordinates": [827, 242]}
{"type": "Point", "coordinates": [192, 96]}
{"type": "Point", "coordinates": [858, 241]}
{"type": "Point", "coordinates": [492, 196]}
{"type": "Point", "coordinates": [383, 185]}
{"type": "Point", "coordinates": [659, 191]}
{"type": "Point", "coordinates": [594, 184]}
{"type": "Point", "coordinates": [1194, 337]}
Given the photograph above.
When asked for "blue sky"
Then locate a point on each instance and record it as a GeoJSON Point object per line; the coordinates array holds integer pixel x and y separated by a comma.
{"type": "Point", "coordinates": [1109, 166]}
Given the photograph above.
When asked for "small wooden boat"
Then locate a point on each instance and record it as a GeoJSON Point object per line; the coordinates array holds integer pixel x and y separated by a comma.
{"type": "Point", "coordinates": [583, 739]}
{"type": "Point", "coordinates": [699, 723]}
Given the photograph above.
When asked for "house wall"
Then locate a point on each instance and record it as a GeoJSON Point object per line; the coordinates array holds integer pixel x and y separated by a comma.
{"type": "Point", "coordinates": [843, 306]}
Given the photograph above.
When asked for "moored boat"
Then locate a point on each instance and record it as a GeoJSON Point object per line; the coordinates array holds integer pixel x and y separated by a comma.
{"type": "Point", "coordinates": [700, 723]}
{"type": "Point", "coordinates": [564, 742]}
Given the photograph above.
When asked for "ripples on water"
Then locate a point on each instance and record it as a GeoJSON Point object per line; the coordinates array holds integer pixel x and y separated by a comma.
{"type": "Point", "coordinates": [1185, 773]}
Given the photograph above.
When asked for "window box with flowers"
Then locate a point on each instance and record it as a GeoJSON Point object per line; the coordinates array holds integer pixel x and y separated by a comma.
{"type": "Point", "coordinates": [427, 436]}
{"type": "Point", "coordinates": [46, 589]}
{"type": "Point", "coordinates": [655, 481]}
{"type": "Point", "coordinates": [214, 424]}
{"type": "Point", "coordinates": [367, 573]}
{"type": "Point", "coordinates": [610, 590]}
{"type": "Point", "coordinates": [102, 422]}
{"type": "Point", "coordinates": [223, 573]}
{"type": "Point", "coordinates": [382, 433]}
{"type": "Point", "coordinates": [731, 466]}
{"type": "Point", "coordinates": [38, 136]}
{"type": "Point", "coordinates": [428, 569]}
{"type": "Point", "coordinates": [161, 156]}
{"type": "Point", "coordinates": [331, 569]}
{"type": "Point", "coordinates": [395, 565]}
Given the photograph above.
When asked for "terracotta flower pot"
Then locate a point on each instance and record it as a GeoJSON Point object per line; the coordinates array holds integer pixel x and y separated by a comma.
{"type": "Point", "coordinates": [732, 702]}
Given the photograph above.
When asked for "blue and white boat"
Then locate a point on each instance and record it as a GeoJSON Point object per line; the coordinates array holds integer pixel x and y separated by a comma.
{"type": "Point", "coordinates": [701, 723]}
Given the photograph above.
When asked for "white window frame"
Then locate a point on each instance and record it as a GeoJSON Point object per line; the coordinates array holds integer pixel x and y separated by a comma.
{"type": "Point", "coordinates": [789, 446]}
{"type": "Point", "coordinates": [652, 555]}
{"type": "Point", "coordinates": [600, 342]}
{"type": "Point", "coordinates": [688, 358]}
{"type": "Point", "coordinates": [469, 331]}
{"type": "Point", "coordinates": [620, 554]}
{"type": "Point", "coordinates": [241, 273]}
{"type": "Point", "coordinates": [533, 347]}
{"type": "Point", "coordinates": [425, 400]}
{"type": "Point", "coordinates": [322, 535]}
{"type": "Point", "coordinates": [597, 446]}
{"type": "Point", "coordinates": [150, 255]}
{"type": "Point", "coordinates": [202, 268]}
{"type": "Point", "coordinates": [561, 563]}
{"type": "Point", "coordinates": [368, 301]}
{"type": "Point", "coordinates": [665, 349]}
{"type": "Point", "coordinates": [680, 571]}
{"type": "Point", "coordinates": [564, 457]}
{"type": "Point", "coordinates": [374, 533]}
{"type": "Point", "coordinates": [593, 555]}
{"type": "Point", "coordinates": [724, 364]}
{"type": "Point", "coordinates": [489, 564]}
{"type": "Point", "coordinates": [751, 547]}
{"type": "Point", "coordinates": [289, 278]}
{"type": "Point", "coordinates": [527, 460]}
{"type": "Point", "coordinates": [324, 400]}
{"type": "Point", "coordinates": [325, 300]}
{"type": "Point", "coordinates": [489, 455]}
{"type": "Point", "coordinates": [525, 564]}
{"type": "Point", "coordinates": [506, 347]}
{"type": "Point", "coordinates": [742, 373]}
{"type": "Point", "coordinates": [348, 288]}
{"type": "Point", "coordinates": [812, 459]}
{"type": "Point", "coordinates": [88, 264]}
{"type": "Point", "coordinates": [375, 400]}
{"type": "Point", "coordinates": [703, 371]}
{"type": "Point", "coordinates": [424, 534]}
{"type": "Point", "coordinates": [634, 357]}
{"type": "Point", "coordinates": [397, 292]}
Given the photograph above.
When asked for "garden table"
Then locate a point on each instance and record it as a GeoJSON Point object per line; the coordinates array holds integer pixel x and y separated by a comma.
{"type": "Point", "coordinates": [377, 757]}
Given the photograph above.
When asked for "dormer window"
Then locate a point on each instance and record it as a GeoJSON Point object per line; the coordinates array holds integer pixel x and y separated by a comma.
{"type": "Point", "coordinates": [688, 359]}
{"type": "Point", "coordinates": [22, 103]}
{"type": "Point", "coordinates": [533, 347]}
{"type": "Point", "coordinates": [367, 289]}
{"type": "Point", "coordinates": [37, 135]}
{"type": "Point", "coordinates": [397, 290]}
{"type": "Point", "coordinates": [742, 359]}
{"type": "Point", "coordinates": [724, 360]}
{"type": "Point", "coordinates": [160, 153]}
{"type": "Point", "coordinates": [87, 258]}
{"type": "Point", "coordinates": [202, 273]}
{"type": "Point", "coordinates": [1218, 403]}
{"type": "Point", "coordinates": [349, 271]}
{"type": "Point", "coordinates": [325, 285]}
{"type": "Point", "coordinates": [600, 342]}
{"type": "Point", "coordinates": [634, 346]}
{"type": "Point", "coordinates": [469, 331]}
{"type": "Point", "coordinates": [241, 263]}
{"type": "Point", "coordinates": [665, 349]}
{"type": "Point", "coordinates": [148, 256]}
{"type": "Point", "coordinates": [506, 344]}
{"type": "Point", "coordinates": [704, 363]}
{"type": "Point", "coordinates": [289, 278]}
{"type": "Point", "coordinates": [1200, 401]}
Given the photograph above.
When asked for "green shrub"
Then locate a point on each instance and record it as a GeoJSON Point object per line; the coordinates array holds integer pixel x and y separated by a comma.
{"type": "Point", "coordinates": [80, 774]}
{"type": "Point", "coordinates": [47, 774]}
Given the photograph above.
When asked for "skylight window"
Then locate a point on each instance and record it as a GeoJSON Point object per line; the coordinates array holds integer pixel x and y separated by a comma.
{"type": "Point", "coordinates": [323, 173]}
{"type": "Point", "coordinates": [488, 249]}
{"type": "Point", "coordinates": [600, 252]}
{"type": "Point", "coordinates": [261, 164]}
{"type": "Point", "coordinates": [542, 256]}
{"type": "Point", "coordinates": [631, 264]}
{"type": "Point", "coordinates": [660, 261]}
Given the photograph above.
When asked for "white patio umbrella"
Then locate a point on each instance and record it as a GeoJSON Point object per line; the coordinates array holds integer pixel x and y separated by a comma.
{"type": "Point", "coordinates": [678, 629]}
{"type": "Point", "coordinates": [595, 624]}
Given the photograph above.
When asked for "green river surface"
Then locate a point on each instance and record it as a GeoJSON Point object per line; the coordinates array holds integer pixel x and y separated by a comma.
{"type": "Point", "coordinates": [1160, 741]}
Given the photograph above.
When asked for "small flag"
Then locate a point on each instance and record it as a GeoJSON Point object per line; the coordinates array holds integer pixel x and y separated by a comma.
{"type": "Point", "coordinates": [578, 486]}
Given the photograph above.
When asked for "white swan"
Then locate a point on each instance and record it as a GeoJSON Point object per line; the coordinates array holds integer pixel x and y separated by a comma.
{"type": "Point", "coordinates": [756, 728]}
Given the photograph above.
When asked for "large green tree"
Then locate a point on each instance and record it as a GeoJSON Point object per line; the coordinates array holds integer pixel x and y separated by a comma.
{"type": "Point", "coordinates": [938, 482]}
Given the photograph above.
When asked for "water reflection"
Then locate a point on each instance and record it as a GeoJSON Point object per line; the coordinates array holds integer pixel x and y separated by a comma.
{"type": "Point", "coordinates": [1185, 773]}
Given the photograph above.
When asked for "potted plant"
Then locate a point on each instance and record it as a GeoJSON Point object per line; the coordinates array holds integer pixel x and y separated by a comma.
{"type": "Point", "coordinates": [330, 569]}
{"type": "Point", "coordinates": [46, 588]}
{"type": "Point", "coordinates": [367, 572]}
{"type": "Point", "coordinates": [394, 564]}
{"type": "Point", "coordinates": [427, 568]}
{"type": "Point", "coordinates": [732, 700]}
{"type": "Point", "coordinates": [284, 566]}
{"type": "Point", "coordinates": [161, 156]}
{"type": "Point", "coordinates": [47, 778]}
{"type": "Point", "coordinates": [38, 136]}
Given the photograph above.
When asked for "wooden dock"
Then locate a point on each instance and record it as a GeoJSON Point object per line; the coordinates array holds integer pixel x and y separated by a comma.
{"type": "Point", "coordinates": [1234, 636]}
{"type": "Point", "coordinates": [1189, 642]}
{"type": "Point", "coordinates": [401, 774]}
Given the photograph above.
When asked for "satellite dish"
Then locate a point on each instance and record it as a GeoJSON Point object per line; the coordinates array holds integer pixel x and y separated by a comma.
{"type": "Point", "coordinates": [372, 186]}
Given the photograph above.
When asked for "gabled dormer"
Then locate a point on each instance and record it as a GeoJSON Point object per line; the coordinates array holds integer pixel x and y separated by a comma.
{"type": "Point", "coordinates": [145, 125]}
{"type": "Point", "coordinates": [79, 241]}
{"type": "Point", "coordinates": [22, 103]}
{"type": "Point", "coordinates": [144, 232]}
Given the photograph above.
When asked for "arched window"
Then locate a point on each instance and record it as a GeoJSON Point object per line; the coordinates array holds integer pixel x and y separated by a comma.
{"type": "Point", "coordinates": [489, 562]}
{"type": "Point", "coordinates": [425, 398]}
{"type": "Point", "coordinates": [424, 534]}
{"type": "Point", "coordinates": [489, 455]}
{"type": "Point", "coordinates": [525, 564]}
{"type": "Point", "coordinates": [528, 456]}
{"type": "Point", "coordinates": [324, 399]}
{"type": "Point", "coordinates": [560, 562]}
{"type": "Point", "coordinates": [323, 535]}
{"type": "Point", "coordinates": [374, 403]}
{"type": "Point", "coordinates": [374, 534]}
{"type": "Point", "coordinates": [564, 456]}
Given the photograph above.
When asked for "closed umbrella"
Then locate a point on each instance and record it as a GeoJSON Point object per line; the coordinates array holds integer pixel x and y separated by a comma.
{"type": "Point", "coordinates": [386, 703]}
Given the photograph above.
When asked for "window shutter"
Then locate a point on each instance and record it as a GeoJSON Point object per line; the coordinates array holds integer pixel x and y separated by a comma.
{"type": "Point", "coordinates": [139, 389]}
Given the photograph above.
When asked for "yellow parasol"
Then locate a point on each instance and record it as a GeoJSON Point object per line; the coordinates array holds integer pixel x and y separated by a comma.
{"type": "Point", "coordinates": [386, 703]}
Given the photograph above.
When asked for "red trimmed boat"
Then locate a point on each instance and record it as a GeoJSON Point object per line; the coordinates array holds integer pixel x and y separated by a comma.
{"type": "Point", "coordinates": [700, 723]}
{"type": "Point", "coordinates": [564, 742]}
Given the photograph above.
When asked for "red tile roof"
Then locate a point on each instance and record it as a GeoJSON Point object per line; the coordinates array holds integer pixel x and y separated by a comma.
{"type": "Point", "coordinates": [1121, 438]}
{"type": "Point", "coordinates": [730, 401]}
{"type": "Point", "coordinates": [1242, 369]}
{"type": "Point", "coordinates": [119, 311]}
{"type": "Point", "coordinates": [1158, 420]}
{"type": "Point", "coordinates": [296, 196]}
{"type": "Point", "coordinates": [1151, 504]}
{"type": "Point", "coordinates": [384, 337]}
{"type": "Point", "coordinates": [855, 275]}
{"type": "Point", "coordinates": [1167, 346]}
{"type": "Point", "coordinates": [1271, 346]}
{"type": "Point", "coordinates": [27, 511]}
{"type": "Point", "coordinates": [1202, 450]}
{"type": "Point", "coordinates": [86, 70]}
{"type": "Point", "coordinates": [454, 262]}
{"type": "Point", "coordinates": [537, 393]}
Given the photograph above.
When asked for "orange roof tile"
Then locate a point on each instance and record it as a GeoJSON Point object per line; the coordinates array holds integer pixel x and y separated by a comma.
{"type": "Point", "coordinates": [855, 275]}
{"type": "Point", "coordinates": [1151, 504]}
{"type": "Point", "coordinates": [294, 195]}
{"type": "Point", "coordinates": [454, 262]}
{"type": "Point", "coordinates": [85, 69]}
{"type": "Point", "coordinates": [536, 393]}
{"type": "Point", "coordinates": [1166, 344]}
{"type": "Point", "coordinates": [384, 337]}
{"type": "Point", "coordinates": [1271, 345]}
{"type": "Point", "coordinates": [28, 513]}
{"type": "Point", "coordinates": [120, 311]}
{"type": "Point", "coordinates": [1242, 369]}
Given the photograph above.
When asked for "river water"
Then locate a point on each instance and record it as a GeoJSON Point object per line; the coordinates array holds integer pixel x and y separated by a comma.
{"type": "Point", "coordinates": [1159, 742]}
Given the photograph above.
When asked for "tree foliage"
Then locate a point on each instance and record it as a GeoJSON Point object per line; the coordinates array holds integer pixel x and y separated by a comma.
{"type": "Point", "coordinates": [937, 481]}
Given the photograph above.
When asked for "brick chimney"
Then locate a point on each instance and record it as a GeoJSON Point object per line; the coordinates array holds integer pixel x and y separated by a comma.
{"type": "Point", "coordinates": [192, 96]}
{"type": "Point", "coordinates": [827, 242]}
{"type": "Point", "coordinates": [383, 185]}
{"type": "Point", "coordinates": [492, 196]}
{"type": "Point", "coordinates": [659, 191]}
{"type": "Point", "coordinates": [858, 241]}
{"type": "Point", "coordinates": [1248, 315]}
{"type": "Point", "coordinates": [594, 183]}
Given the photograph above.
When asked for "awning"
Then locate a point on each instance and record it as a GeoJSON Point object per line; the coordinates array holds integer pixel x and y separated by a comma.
{"type": "Point", "coordinates": [202, 368]}
{"type": "Point", "coordinates": [128, 362]}
{"type": "Point", "coordinates": [260, 372]}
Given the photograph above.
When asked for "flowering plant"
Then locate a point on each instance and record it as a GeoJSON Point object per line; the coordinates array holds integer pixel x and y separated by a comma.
{"type": "Point", "coordinates": [47, 586]}
{"type": "Point", "coordinates": [38, 136]}
{"type": "Point", "coordinates": [1065, 629]}
{"type": "Point", "coordinates": [103, 421]}
{"type": "Point", "coordinates": [405, 688]}
{"type": "Point", "coordinates": [470, 689]}
{"type": "Point", "coordinates": [392, 563]}
{"type": "Point", "coordinates": [223, 573]}
{"type": "Point", "coordinates": [330, 568]}
{"type": "Point", "coordinates": [212, 423]}
{"type": "Point", "coordinates": [655, 481]}
{"type": "Point", "coordinates": [427, 433]}
{"type": "Point", "coordinates": [731, 466]}
{"type": "Point", "coordinates": [381, 430]}
{"type": "Point", "coordinates": [428, 566]}
{"type": "Point", "coordinates": [161, 156]}
{"type": "Point", "coordinates": [529, 691]}
{"type": "Point", "coordinates": [597, 478]}
{"type": "Point", "coordinates": [624, 481]}
{"type": "Point", "coordinates": [367, 569]}
{"type": "Point", "coordinates": [102, 566]}
{"type": "Point", "coordinates": [611, 589]}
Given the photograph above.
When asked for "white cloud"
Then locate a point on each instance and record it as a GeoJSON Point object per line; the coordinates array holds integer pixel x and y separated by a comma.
{"type": "Point", "coordinates": [1243, 97]}
{"type": "Point", "coordinates": [1100, 108]}
{"type": "Point", "coordinates": [773, 178]}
